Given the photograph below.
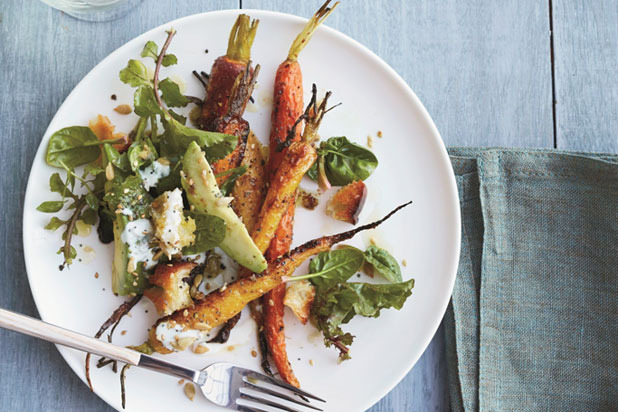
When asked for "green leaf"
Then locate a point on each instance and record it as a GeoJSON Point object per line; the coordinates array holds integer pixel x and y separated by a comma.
{"type": "Point", "coordinates": [72, 254]}
{"type": "Point", "coordinates": [128, 196]}
{"type": "Point", "coordinates": [340, 303]}
{"type": "Point", "coordinates": [144, 102]}
{"type": "Point", "coordinates": [89, 216]}
{"type": "Point", "coordinates": [170, 93]}
{"type": "Point", "coordinates": [73, 146]}
{"type": "Point", "coordinates": [92, 201]}
{"type": "Point", "coordinates": [141, 152]}
{"type": "Point", "coordinates": [334, 266]}
{"type": "Point", "coordinates": [382, 262]}
{"type": "Point", "coordinates": [169, 60]}
{"type": "Point", "coordinates": [51, 206]}
{"type": "Point", "coordinates": [135, 74]}
{"type": "Point", "coordinates": [150, 50]}
{"type": "Point", "coordinates": [54, 224]}
{"type": "Point", "coordinates": [57, 185]}
{"type": "Point", "coordinates": [232, 175]}
{"type": "Point", "coordinates": [209, 233]}
{"type": "Point", "coordinates": [180, 118]}
{"type": "Point", "coordinates": [177, 137]}
{"type": "Point", "coordinates": [344, 161]}
{"type": "Point", "coordinates": [93, 170]}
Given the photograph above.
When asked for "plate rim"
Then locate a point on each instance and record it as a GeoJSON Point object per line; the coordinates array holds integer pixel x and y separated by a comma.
{"type": "Point", "coordinates": [359, 47]}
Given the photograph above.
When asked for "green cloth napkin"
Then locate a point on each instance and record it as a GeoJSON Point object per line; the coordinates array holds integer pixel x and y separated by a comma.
{"type": "Point", "coordinates": [533, 320]}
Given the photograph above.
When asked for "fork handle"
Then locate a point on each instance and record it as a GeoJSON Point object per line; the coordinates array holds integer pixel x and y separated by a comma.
{"type": "Point", "coordinates": [39, 329]}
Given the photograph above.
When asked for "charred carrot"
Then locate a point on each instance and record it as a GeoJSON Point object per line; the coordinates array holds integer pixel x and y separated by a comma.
{"type": "Point", "coordinates": [288, 107]}
{"type": "Point", "coordinates": [221, 305]}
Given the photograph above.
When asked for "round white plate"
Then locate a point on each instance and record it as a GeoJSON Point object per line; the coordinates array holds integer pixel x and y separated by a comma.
{"type": "Point", "coordinates": [413, 166]}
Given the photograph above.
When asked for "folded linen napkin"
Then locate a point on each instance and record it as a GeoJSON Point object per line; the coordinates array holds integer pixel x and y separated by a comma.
{"type": "Point", "coordinates": [533, 320]}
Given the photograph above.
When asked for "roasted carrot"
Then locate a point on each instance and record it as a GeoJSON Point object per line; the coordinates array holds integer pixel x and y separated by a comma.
{"type": "Point", "coordinates": [288, 93]}
{"type": "Point", "coordinates": [225, 303]}
{"type": "Point", "coordinates": [287, 108]}
{"type": "Point", "coordinates": [225, 71]}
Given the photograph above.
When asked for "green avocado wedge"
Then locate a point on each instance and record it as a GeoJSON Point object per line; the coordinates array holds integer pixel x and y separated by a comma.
{"type": "Point", "coordinates": [204, 195]}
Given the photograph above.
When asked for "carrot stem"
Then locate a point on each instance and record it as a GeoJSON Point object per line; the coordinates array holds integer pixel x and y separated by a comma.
{"type": "Point", "coordinates": [314, 22]}
{"type": "Point", "coordinates": [241, 38]}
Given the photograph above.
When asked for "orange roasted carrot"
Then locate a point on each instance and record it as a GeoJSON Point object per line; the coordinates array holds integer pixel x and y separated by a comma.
{"type": "Point", "coordinates": [225, 71]}
{"type": "Point", "coordinates": [287, 108]}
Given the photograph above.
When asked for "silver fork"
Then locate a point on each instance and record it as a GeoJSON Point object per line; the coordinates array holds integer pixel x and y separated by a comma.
{"type": "Point", "coordinates": [221, 383]}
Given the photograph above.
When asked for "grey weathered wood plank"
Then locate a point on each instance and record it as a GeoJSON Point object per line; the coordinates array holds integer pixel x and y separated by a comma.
{"type": "Point", "coordinates": [43, 55]}
{"type": "Point", "coordinates": [586, 63]}
{"type": "Point", "coordinates": [481, 67]}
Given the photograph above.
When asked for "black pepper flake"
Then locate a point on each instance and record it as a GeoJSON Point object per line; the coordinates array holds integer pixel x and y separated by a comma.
{"type": "Point", "coordinates": [113, 97]}
{"type": "Point", "coordinates": [206, 51]}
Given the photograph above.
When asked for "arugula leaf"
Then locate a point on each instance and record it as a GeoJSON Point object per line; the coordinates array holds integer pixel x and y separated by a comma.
{"type": "Point", "coordinates": [340, 303]}
{"type": "Point", "coordinates": [72, 146]}
{"type": "Point", "coordinates": [170, 93]}
{"type": "Point", "coordinates": [144, 102]}
{"type": "Point", "coordinates": [128, 196]}
{"type": "Point", "coordinates": [180, 118]}
{"type": "Point", "coordinates": [380, 261]}
{"type": "Point", "coordinates": [209, 233]}
{"type": "Point", "coordinates": [57, 185]}
{"type": "Point", "coordinates": [344, 161]}
{"type": "Point", "coordinates": [51, 206]}
{"type": "Point", "coordinates": [233, 175]}
{"type": "Point", "coordinates": [334, 266]}
{"type": "Point", "coordinates": [89, 216]}
{"type": "Point", "coordinates": [135, 74]}
{"type": "Point", "coordinates": [177, 138]}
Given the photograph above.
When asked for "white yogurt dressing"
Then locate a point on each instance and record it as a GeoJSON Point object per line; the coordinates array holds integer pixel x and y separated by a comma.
{"type": "Point", "coordinates": [169, 336]}
{"type": "Point", "coordinates": [153, 173]}
{"type": "Point", "coordinates": [137, 235]}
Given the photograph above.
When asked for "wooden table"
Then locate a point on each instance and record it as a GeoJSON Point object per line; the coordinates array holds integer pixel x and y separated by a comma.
{"type": "Point", "coordinates": [491, 73]}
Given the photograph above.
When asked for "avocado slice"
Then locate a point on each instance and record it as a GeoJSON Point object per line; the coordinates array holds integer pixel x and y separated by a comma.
{"type": "Point", "coordinates": [201, 188]}
{"type": "Point", "coordinates": [123, 282]}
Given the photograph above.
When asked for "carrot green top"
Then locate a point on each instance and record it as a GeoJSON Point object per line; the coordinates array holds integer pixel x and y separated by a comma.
{"type": "Point", "coordinates": [303, 38]}
{"type": "Point", "coordinates": [241, 38]}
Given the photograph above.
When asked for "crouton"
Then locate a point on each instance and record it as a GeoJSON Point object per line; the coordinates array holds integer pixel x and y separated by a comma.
{"type": "Point", "coordinates": [347, 203]}
{"type": "Point", "coordinates": [299, 297]}
{"type": "Point", "coordinates": [170, 292]}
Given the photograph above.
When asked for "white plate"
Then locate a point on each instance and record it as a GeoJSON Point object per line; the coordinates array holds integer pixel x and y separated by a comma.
{"type": "Point", "coordinates": [413, 166]}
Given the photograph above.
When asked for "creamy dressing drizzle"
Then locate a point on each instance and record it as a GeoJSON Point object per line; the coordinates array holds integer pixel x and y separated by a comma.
{"type": "Point", "coordinates": [153, 173]}
{"type": "Point", "coordinates": [137, 235]}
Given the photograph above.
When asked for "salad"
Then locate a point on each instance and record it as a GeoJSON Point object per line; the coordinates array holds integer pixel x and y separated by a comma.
{"type": "Point", "coordinates": [184, 198]}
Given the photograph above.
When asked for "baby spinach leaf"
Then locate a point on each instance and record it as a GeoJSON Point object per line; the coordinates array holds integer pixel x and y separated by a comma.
{"type": "Point", "coordinates": [344, 161]}
{"type": "Point", "coordinates": [209, 233]}
{"type": "Point", "coordinates": [382, 262]}
{"type": "Point", "coordinates": [233, 175]}
{"type": "Point", "coordinates": [144, 102]}
{"type": "Point", "coordinates": [170, 93]}
{"type": "Point", "coordinates": [333, 267]}
{"type": "Point", "coordinates": [51, 206]}
{"type": "Point", "coordinates": [177, 137]}
{"type": "Point", "coordinates": [72, 146]}
{"type": "Point", "coordinates": [135, 74]}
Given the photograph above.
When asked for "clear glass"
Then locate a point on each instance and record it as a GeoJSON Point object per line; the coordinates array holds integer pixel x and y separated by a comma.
{"type": "Point", "coordinates": [93, 10]}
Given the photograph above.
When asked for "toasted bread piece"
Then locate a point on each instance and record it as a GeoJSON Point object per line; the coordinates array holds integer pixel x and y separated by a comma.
{"type": "Point", "coordinates": [170, 292]}
{"type": "Point", "coordinates": [299, 297]}
{"type": "Point", "coordinates": [346, 204]}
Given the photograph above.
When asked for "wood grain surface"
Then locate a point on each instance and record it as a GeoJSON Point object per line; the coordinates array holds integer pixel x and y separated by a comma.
{"type": "Point", "coordinates": [483, 68]}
